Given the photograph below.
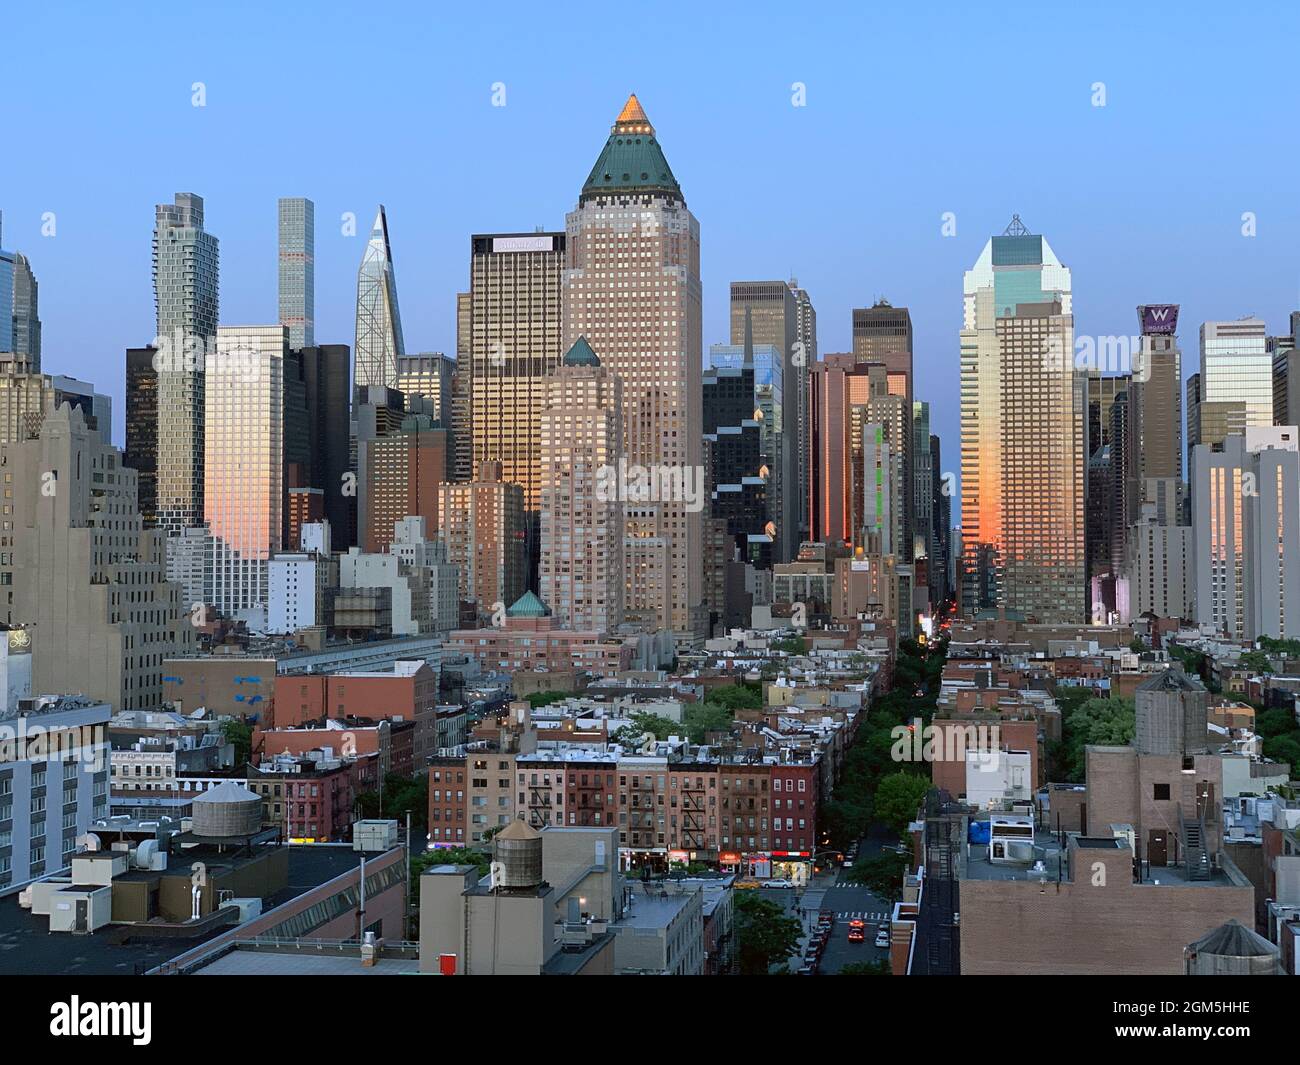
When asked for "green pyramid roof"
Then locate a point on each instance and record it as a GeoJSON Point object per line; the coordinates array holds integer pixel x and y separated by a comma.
{"type": "Point", "coordinates": [581, 354]}
{"type": "Point", "coordinates": [632, 160]}
{"type": "Point", "coordinates": [528, 606]}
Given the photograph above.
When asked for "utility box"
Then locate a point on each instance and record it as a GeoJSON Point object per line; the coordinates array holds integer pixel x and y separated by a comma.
{"type": "Point", "coordinates": [374, 836]}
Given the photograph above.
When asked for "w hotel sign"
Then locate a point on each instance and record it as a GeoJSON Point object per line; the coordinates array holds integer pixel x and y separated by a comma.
{"type": "Point", "coordinates": [1159, 319]}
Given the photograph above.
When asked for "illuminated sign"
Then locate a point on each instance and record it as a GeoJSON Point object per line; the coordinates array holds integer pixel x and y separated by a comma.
{"type": "Point", "coordinates": [516, 244]}
{"type": "Point", "coordinates": [1159, 319]}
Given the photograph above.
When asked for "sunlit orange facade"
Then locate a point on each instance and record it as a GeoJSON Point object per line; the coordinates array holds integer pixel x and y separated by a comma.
{"type": "Point", "coordinates": [1022, 435]}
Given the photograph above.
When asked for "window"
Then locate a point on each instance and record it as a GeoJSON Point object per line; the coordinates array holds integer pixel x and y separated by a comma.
{"type": "Point", "coordinates": [1161, 791]}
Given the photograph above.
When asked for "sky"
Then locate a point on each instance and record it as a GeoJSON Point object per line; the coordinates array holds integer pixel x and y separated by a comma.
{"type": "Point", "coordinates": [978, 110]}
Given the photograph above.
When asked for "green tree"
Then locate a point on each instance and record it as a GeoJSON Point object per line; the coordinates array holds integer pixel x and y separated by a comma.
{"type": "Point", "coordinates": [702, 718]}
{"type": "Point", "coordinates": [537, 699]}
{"type": "Point", "coordinates": [881, 874]}
{"type": "Point", "coordinates": [643, 722]}
{"type": "Point", "coordinates": [1106, 722]}
{"type": "Point", "coordinates": [1256, 662]}
{"type": "Point", "coordinates": [742, 696]}
{"type": "Point", "coordinates": [240, 733]}
{"type": "Point", "coordinates": [399, 795]}
{"type": "Point", "coordinates": [791, 645]}
{"type": "Point", "coordinates": [898, 798]}
{"type": "Point", "coordinates": [764, 934]}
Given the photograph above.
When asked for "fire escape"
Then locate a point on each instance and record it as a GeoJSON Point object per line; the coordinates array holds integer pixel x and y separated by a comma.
{"type": "Point", "coordinates": [694, 837]}
{"type": "Point", "coordinates": [1192, 829]}
{"type": "Point", "coordinates": [641, 818]}
{"type": "Point", "coordinates": [539, 806]}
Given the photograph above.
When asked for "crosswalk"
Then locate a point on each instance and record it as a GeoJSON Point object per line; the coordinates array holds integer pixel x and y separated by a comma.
{"type": "Point", "coordinates": [862, 915]}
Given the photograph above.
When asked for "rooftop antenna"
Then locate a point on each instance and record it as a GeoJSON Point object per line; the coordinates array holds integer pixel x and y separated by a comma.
{"type": "Point", "coordinates": [1016, 228]}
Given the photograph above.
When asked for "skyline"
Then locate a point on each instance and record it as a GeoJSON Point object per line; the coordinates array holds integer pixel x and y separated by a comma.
{"type": "Point", "coordinates": [1099, 214]}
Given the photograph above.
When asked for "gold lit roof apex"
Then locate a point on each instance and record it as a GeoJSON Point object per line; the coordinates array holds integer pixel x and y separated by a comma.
{"type": "Point", "coordinates": [632, 119]}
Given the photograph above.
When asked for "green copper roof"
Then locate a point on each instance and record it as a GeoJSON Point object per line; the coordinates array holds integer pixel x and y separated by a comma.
{"type": "Point", "coordinates": [528, 606]}
{"type": "Point", "coordinates": [632, 160]}
{"type": "Point", "coordinates": [581, 354]}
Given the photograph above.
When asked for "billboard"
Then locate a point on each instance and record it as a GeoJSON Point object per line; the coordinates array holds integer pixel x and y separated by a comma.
{"type": "Point", "coordinates": [1159, 319]}
{"type": "Point", "coordinates": [518, 244]}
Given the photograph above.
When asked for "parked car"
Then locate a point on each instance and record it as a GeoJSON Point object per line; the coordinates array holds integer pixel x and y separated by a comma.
{"type": "Point", "coordinates": [882, 938]}
{"type": "Point", "coordinates": [857, 932]}
{"type": "Point", "coordinates": [778, 883]}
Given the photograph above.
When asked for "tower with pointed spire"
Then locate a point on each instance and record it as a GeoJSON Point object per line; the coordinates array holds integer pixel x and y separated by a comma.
{"type": "Point", "coordinates": [632, 289]}
{"type": "Point", "coordinates": [379, 324]}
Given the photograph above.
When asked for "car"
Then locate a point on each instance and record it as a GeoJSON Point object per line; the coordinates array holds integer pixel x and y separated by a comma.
{"type": "Point", "coordinates": [778, 883]}
{"type": "Point", "coordinates": [857, 932]}
{"type": "Point", "coordinates": [882, 938]}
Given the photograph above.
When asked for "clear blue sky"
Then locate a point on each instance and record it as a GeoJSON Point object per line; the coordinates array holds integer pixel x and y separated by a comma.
{"type": "Point", "coordinates": [979, 109]}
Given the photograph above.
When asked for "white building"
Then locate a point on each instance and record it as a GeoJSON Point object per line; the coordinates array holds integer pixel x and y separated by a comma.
{"type": "Point", "coordinates": [996, 777]}
{"type": "Point", "coordinates": [1160, 567]}
{"type": "Point", "coordinates": [411, 545]}
{"type": "Point", "coordinates": [1246, 530]}
{"type": "Point", "coordinates": [409, 586]}
{"type": "Point", "coordinates": [54, 760]}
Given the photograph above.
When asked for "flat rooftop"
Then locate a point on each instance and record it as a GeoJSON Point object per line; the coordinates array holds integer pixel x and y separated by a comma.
{"type": "Point", "coordinates": [1047, 849]}
{"type": "Point", "coordinates": [246, 960]}
{"type": "Point", "coordinates": [27, 945]}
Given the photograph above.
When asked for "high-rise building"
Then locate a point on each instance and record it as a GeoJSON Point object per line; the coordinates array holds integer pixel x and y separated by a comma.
{"type": "Point", "coordinates": [766, 314]}
{"type": "Point", "coordinates": [142, 428]}
{"type": "Point", "coordinates": [923, 545]}
{"type": "Point", "coordinates": [1161, 570]}
{"type": "Point", "coordinates": [835, 385]}
{"type": "Point", "coordinates": [431, 376]}
{"type": "Point", "coordinates": [1023, 426]}
{"type": "Point", "coordinates": [325, 370]}
{"type": "Point", "coordinates": [26, 398]}
{"type": "Point", "coordinates": [1286, 373]}
{"type": "Point", "coordinates": [1245, 499]}
{"type": "Point", "coordinates": [632, 288]}
{"type": "Point", "coordinates": [1235, 383]}
{"type": "Point", "coordinates": [185, 278]}
{"type": "Point", "coordinates": [297, 231]}
{"type": "Point", "coordinates": [1156, 396]}
{"type": "Point", "coordinates": [7, 263]}
{"type": "Point", "coordinates": [376, 412]}
{"type": "Point", "coordinates": [940, 568]}
{"type": "Point", "coordinates": [765, 367]}
{"type": "Point", "coordinates": [803, 359]}
{"type": "Point", "coordinates": [1112, 472]}
{"type": "Point", "coordinates": [379, 323]}
{"type": "Point", "coordinates": [581, 443]}
{"type": "Point", "coordinates": [26, 331]}
{"type": "Point", "coordinates": [244, 481]}
{"type": "Point", "coordinates": [482, 524]}
{"type": "Point", "coordinates": [404, 471]}
{"type": "Point", "coordinates": [87, 579]}
{"type": "Point", "coordinates": [882, 335]}
{"type": "Point", "coordinates": [509, 345]}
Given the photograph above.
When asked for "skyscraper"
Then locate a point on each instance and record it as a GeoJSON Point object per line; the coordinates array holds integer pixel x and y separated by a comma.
{"type": "Point", "coordinates": [7, 263]}
{"type": "Point", "coordinates": [766, 313]}
{"type": "Point", "coordinates": [482, 524]}
{"type": "Point", "coordinates": [509, 345]}
{"type": "Point", "coordinates": [185, 278]}
{"type": "Point", "coordinates": [1022, 434]}
{"type": "Point", "coordinates": [1235, 381]}
{"type": "Point", "coordinates": [803, 359]}
{"type": "Point", "coordinates": [922, 487]}
{"type": "Point", "coordinates": [325, 371]}
{"type": "Point", "coordinates": [1246, 537]}
{"type": "Point", "coordinates": [581, 436]}
{"type": "Point", "coordinates": [379, 323]}
{"type": "Point", "coordinates": [244, 484]}
{"type": "Point", "coordinates": [404, 470]}
{"type": "Point", "coordinates": [632, 287]}
{"type": "Point", "coordinates": [882, 335]}
{"type": "Point", "coordinates": [430, 375]}
{"type": "Point", "coordinates": [1157, 401]}
{"type": "Point", "coordinates": [142, 429]}
{"type": "Point", "coordinates": [297, 229]}
{"type": "Point", "coordinates": [26, 314]}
